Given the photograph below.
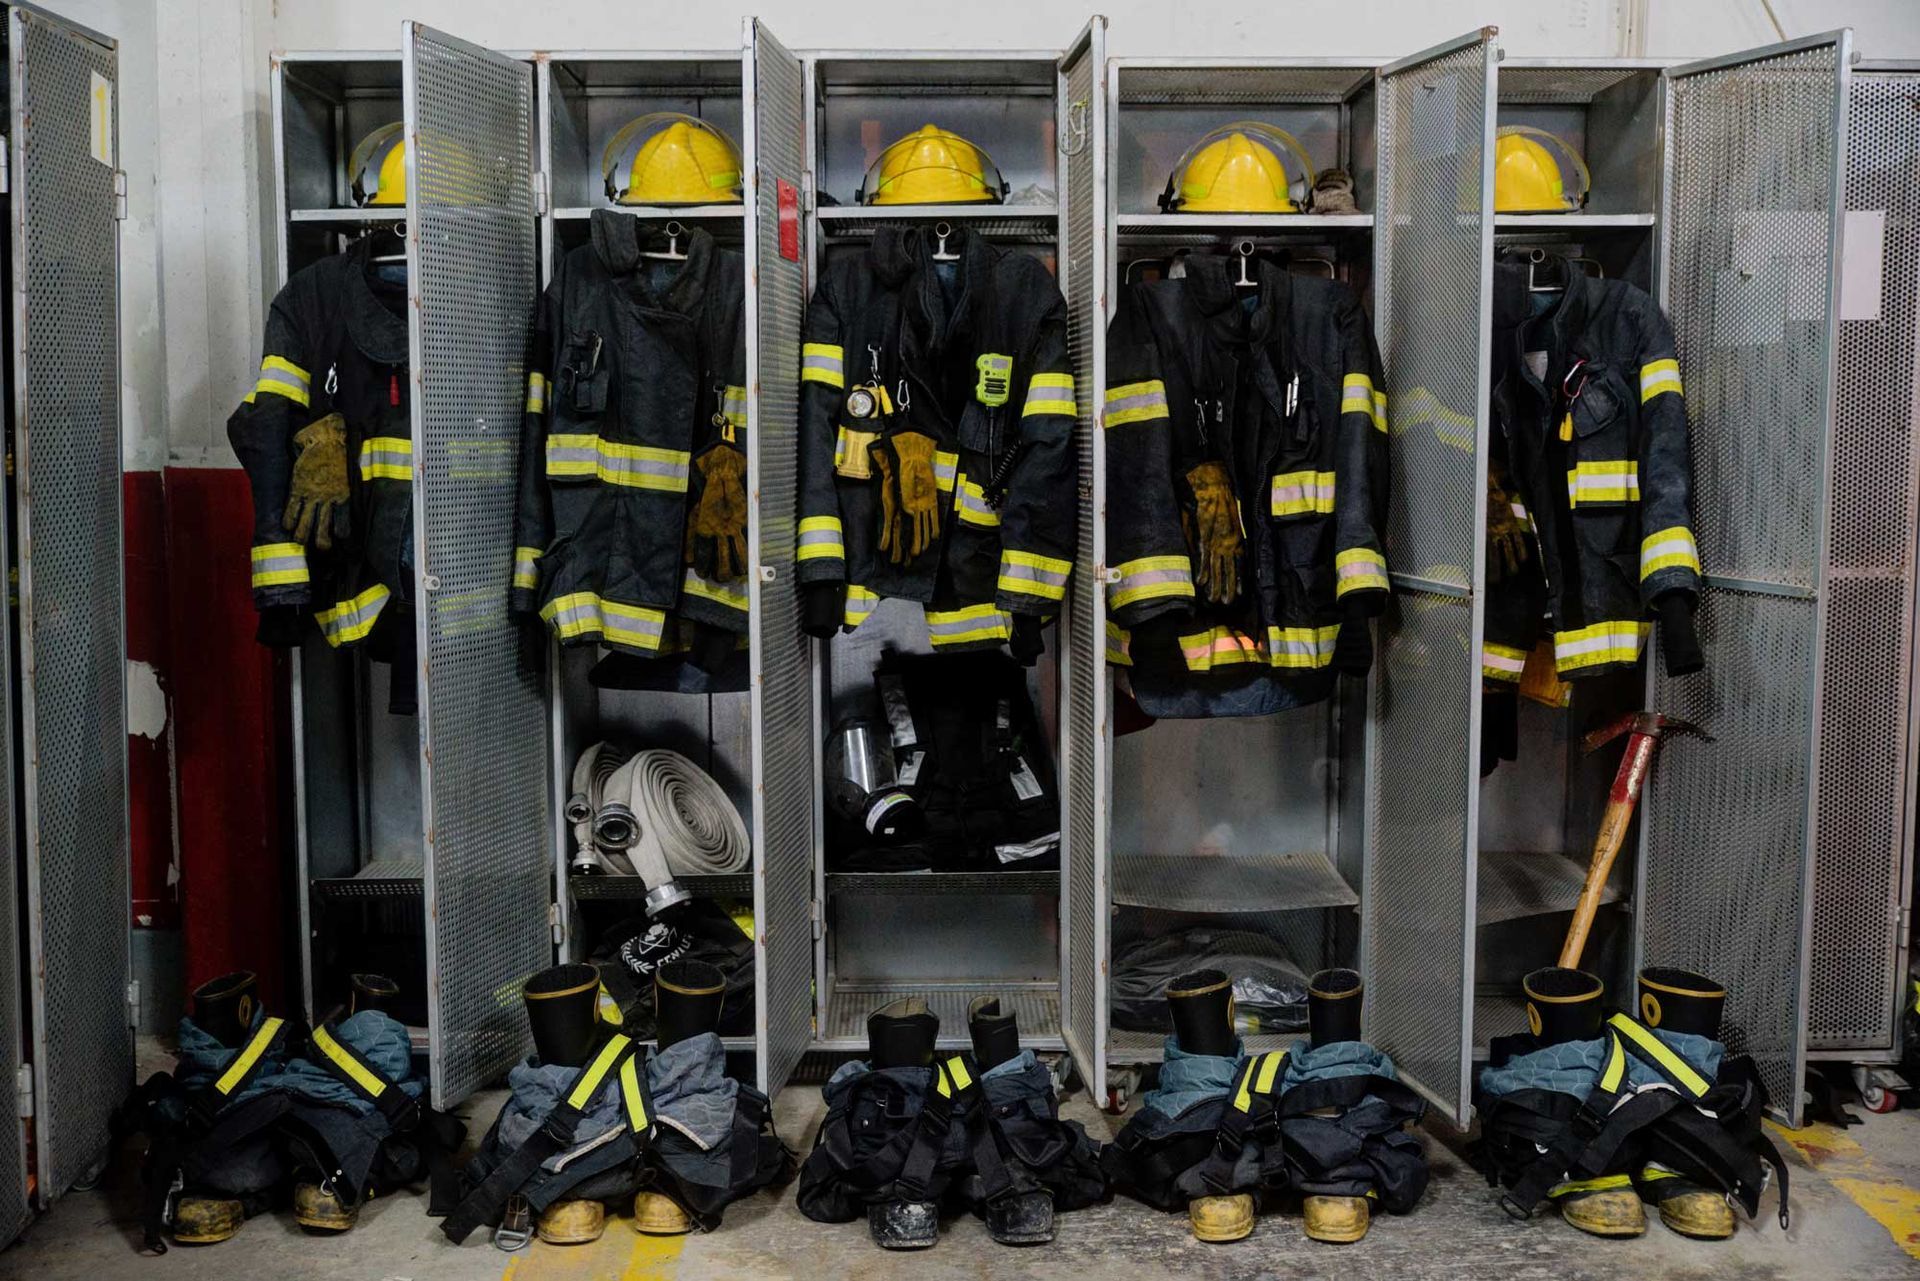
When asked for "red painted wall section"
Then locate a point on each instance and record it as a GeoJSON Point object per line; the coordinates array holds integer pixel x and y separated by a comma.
{"type": "Point", "coordinates": [229, 743]}
{"type": "Point", "coordinates": [156, 902]}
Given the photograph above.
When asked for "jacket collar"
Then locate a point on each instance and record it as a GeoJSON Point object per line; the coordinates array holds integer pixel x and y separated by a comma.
{"type": "Point", "coordinates": [376, 329]}
{"type": "Point", "coordinates": [903, 259]}
{"type": "Point", "coordinates": [618, 239]}
{"type": "Point", "coordinates": [1211, 285]}
{"type": "Point", "coordinates": [1566, 323]}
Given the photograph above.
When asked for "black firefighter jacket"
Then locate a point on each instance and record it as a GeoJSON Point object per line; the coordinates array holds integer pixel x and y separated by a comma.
{"type": "Point", "coordinates": [929, 333]}
{"type": "Point", "coordinates": [1588, 404]}
{"type": "Point", "coordinates": [1283, 388]}
{"type": "Point", "coordinates": [638, 368]}
{"type": "Point", "coordinates": [336, 342]}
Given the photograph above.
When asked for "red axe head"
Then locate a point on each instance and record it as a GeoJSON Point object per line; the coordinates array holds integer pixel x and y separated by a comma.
{"type": "Point", "coordinates": [1652, 724]}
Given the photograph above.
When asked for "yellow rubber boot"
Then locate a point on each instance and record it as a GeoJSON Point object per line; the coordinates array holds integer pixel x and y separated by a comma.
{"type": "Point", "coordinates": [658, 1216]}
{"type": "Point", "coordinates": [206, 1220]}
{"type": "Point", "coordinates": [572, 1222]}
{"type": "Point", "coordinates": [1221, 1218]}
{"type": "Point", "coordinates": [1694, 1211]}
{"type": "Point", "coordinates": [318, 1208]}
{"type": "Point", "coordinates": [1335, 1219]}
{"type": "Point", "coordinates": [1604, 1207]}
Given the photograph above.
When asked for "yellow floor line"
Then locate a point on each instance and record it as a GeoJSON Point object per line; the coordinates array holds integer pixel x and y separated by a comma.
{"type": "Point", "coordinates": [621, 1254]}
{"type": "Point", "coordinates": [1890, 1202]}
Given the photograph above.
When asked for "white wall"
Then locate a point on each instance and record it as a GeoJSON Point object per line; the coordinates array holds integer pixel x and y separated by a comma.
{"type": "Point", "coordinates": [193, 97]}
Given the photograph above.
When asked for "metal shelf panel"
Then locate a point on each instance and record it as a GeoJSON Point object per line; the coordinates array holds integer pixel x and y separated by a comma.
{"type": "Point", "coordinates": [1515, 883]}
{"type": "Point", "coordinates": [634, 888]}
{"type": "Point", "coordinates": [1151, 1047]}
{"type": "Point", "coordinates": [943, 882]}
{"type": "Point", "coordinates": [1037, 1008]}
{"type": "Point", "coordinates": [1016, 222]}
{"type": "Point", "coordinates": [1572, 222]}
{"type": "Point", "coordinates": [1146, 224]}
{"type": "Point", "coordinates": [357, 216]}
{"type": "Point", "coordinates": [1251, 883]}
{"type": "Point", "coordinates": [728, 213]}
{"type": "Point", "coordinates": [391, 878]}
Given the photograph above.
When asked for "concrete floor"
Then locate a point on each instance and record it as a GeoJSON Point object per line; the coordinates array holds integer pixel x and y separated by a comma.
{"type": "Point", "coordinates": [1856, 1214]}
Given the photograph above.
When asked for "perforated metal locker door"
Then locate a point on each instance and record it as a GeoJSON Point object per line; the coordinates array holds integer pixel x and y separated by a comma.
{"type": "Point", "coordinates": [73, 738]}
{"type": "Point", "coordinates": [1754, 198]}
{"type": "Point", "coordinates": [483, 732]}
{"type": "Point", "coordinates": [784, 716]}
{"type": "Point", "coordinates": [1434, 259]}
{"type": "Point", "coordinates": [1086, 735]}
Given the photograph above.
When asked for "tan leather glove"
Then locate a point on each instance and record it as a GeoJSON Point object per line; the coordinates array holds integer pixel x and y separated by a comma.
{"type": "Point", "coordinates": [1215, 533]}
{"type": "Point", "coordinates": [319, 484]}
{"type": "Point", "coordinates": [909, 495]}
{"type": "Point", "coordinates": [1506, 538]}
{"type": "Point", "coordinates": [717, 525]}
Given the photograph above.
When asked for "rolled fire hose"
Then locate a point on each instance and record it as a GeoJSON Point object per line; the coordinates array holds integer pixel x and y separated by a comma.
{"type": "Point", "coordinates": [663, 817]}
{"type": "Point", "coordinates": [590, 774]}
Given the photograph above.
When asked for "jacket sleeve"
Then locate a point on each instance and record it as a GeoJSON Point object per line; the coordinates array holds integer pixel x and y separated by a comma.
{"type": "Point", "coordinates": [1039, 521]}
{"type": "Point", "coordinates": [1360, 471]}
{"type": "Point", "coordinates": [533, 510]}
{"type": "Point", "coordinates": [822, 548]}
{"type": "Point", "coordinates": [1145, 543]}
{"type": "Point", "coordinates": [261, 431]}
{"type": "Point", "coordinates": [1669, 557]}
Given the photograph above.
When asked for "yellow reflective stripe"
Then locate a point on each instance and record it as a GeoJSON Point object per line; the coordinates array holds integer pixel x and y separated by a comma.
{"type": "Point", "coordinates": [1672, 1064]}
{"type": "Point", "coordinates": [630, 1090]}
{"type": "Point", "coordinates": [1220, 647]}
{"type": "Point", "coordinates": [526, 567]}
{"type": "Point", "coordinates": [1611, 481]}
{"type": "Point", "coordinates": [1032, 574]}
{"type": "Point", "coordinates": [1049, 394]}
{"type": "Point", "coordinates": [588, 1086]}
{"type": "Point", "coordinates": [1297, 493]}
{"type": "Point", "coordinates": [277, 564]}
{"type": "Point", "coordinates": [579, 614]}
{"type": "Point", "coordinates": [1270, 1064]}
{"type": "Point", "coordinates": [572, 454]}
{"type": "Point", "coordinates": [968, 626]}
{"type": "Point", "coordinates": [1359, 569]}
{"type": "Point", "coordinates": [1502, 662]}
{"type": "Point", "coordinates": [243, 1062]}
{"type": "Point", "coordinates": [971, 505]}
{"type": "Point", "coordinates": [1670, 548]}
{"type": "Point", "coordinates": [536, 393]}
{"type": "Point", "coordinates": [860, 605]}
{"type": "Point", "coordinates": [1134, 403]}
{"type": "Point", "coordinates": [1604, 1183]}
{"type": "Point", "coordinates": [1149, 578]}
{"type": "Point", "coordinates": [1357, 396]}
{"type": "Point", "coordinates": [283, 378]}
{"type": "Point", "coordinates": [822, 362]}
{"type": "Point", "coordinates": [821, 538]}
{"type": "Point", "coordinates": [1658, 376]}
{"type": "Point", "coordinates": [733, 406]}
{"type": "Point", "coordinates": [347, 1063]}
{"type": "Point", "coordinates": [1310, 647]}
{"type": "Point", "coordinates": [1243, 1097]}
{"type": "Point", "coordinates": [1117, 645]}
{"type": "Point", "coordinates": [1614, 1075]}
{"type": "Point", "coordinates": [957, 1069]}
{"type": "Point", "coordinates": [351, 620]}
{"type": "Point", "coordinates": [386, 458]}
{"type": "Point", "coordinates": [1610, 642]}
{"type": "Point", "coordinates": [643, 466]}
{"type": "Point", "coordinates": [727, 594]}
{"type": "Point", "coordinates": [946, 467]}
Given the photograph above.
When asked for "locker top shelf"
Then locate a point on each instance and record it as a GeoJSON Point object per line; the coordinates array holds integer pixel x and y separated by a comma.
{"type": "Point", "coordinates": [899, 72]}
{"type": "Point", "coordinates": [1253, 82]}
{"type": "Point", "coordinates": [1571, 222]}
{"type": "Point", "coordinates": [1011, 222]}
{"type": "Point", "coordinates": [357, 215]}
{"type": "Point", "coordinates": [729, 213]}
{"type": "Point", "coordinates": [1152, 224]}
{"type": "Point", "coordinates": [1570, 80]}
{"type": "Point", "coordinates": [668, 72]}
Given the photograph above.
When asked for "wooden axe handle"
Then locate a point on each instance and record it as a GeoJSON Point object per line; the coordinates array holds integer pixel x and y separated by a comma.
{"type": "Point", "coordinates": [1621, 800]}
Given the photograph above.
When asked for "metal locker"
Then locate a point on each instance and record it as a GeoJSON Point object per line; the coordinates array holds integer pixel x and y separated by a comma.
{"type": "Point", "coordinates": [785, 721]}
{"type": "Point", "coordinates": [66, 191]}
{"type": "Point", "coordinates": [1754, 203]}
{"type": "Point", "coordinates": [482, 726]}
{"type": "Point", "coordinates": [1434, 254]}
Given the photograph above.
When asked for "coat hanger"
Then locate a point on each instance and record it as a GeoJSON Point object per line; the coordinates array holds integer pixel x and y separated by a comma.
{"type": "Point", "coordinates": [672, 252]}
{"type": "Point", "coordinates": [1326, 263]}
{"type": "Point", "coordinates": [941, 230]}
{"type": "Point", "coordinates": [1537, 281]}
{"type": "Point", "coordinates": [1243, 252]}
{"type": "Point", "coordinates": [399, 232]}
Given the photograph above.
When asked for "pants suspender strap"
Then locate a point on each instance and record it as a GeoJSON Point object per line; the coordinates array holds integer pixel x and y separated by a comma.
{"type": "Point", "coordinates": [352, 1069]}
{"type": "Point", "coordinates": [244, 1069]}
{"type": "Point", "coordinates": [915, 1180]}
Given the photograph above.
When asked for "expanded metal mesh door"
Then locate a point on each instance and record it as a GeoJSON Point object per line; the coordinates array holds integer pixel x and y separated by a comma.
{"type": "Point", "coordinates": [1086, 735]}
{"type": "Point", "coordinates": [1749, 256]}
{"type": "Point", "coordinates": [783, 693]}
{"type": "Point", "coordinates": [66, 446]}
{"type": "Point", "coordinates": [1434, 259]}
{"type": "Point", "coordinates": [1865, 835]}
{"type": "Point", "coordinates": [483, 731]}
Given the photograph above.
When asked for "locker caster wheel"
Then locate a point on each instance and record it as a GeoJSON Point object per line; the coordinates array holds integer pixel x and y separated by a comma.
{"type": "Point", "coordinates": [1879, 1101]}
{"type": "Point", "coordinates": [1879, 1088]}
{"type": "Point", "coordinates": [1122, 1084]}
{"type": "Point", "coordinates": [91, 1179]}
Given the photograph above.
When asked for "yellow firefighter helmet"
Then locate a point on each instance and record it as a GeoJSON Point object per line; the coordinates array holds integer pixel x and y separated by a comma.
{"type": "Point", "coordinates": [1244, 167]}
{"type": "Point", "coordinates": [932, 167]}
{"type": "Point", "coordinates": [667, 158]}
{"type": "Point", "coordinates": [379, 167]}
{"type": "Point", "coordinates": [1535, 172]}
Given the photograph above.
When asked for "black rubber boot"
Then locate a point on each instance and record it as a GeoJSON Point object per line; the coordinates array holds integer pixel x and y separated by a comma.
{"type": "Point", "coordinates": [686, 1000]}
{"type": "Point", "coordinates": [902, 1034]}
{"type": "Point", "coordinates": [1021, 1218]}
{"type": "Point", "coordinates": [223, 1008]}
{"type": "Point", "coordinates": [1681, 1001]}
{"type": "Point", "coordinates": [996, 1036]}
{"type": "Point", "coordinates": [1202, 1008]}
{"type": "Point", "coordinates": [1563, 1005]}
{"type": "Point", "coordinates": [372, 992]}
{"type": "Point", "coordinates": [563, 1010]}
{"type": "Point", "coordinates": [1333, 1006]}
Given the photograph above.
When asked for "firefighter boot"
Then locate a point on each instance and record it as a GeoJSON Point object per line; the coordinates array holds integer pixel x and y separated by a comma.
{"type": "Point", "coordinates": [1019, 1218]}
{"type": "Point", "coordinates": [223, 1008]}
{"type": "Point", "coordinates": [1201, 1005]}
{"type": "Point", "coordinates": [902, 1034]}
{"type": "Point", "coordinates": [1603, 1207]}
{"type": "Point", "coordinates": [686, 1000]}
{"type": "Point", "coordinates": [373, 992]}
{"type": "Point", "coordinates": [1333, 1016]}
{"type": "Point", "coordinates": [1682, 1001]}
{"type": "Point", "coordinates": [201, 1220]}
{"type": "Point", "coordinates": [572, 1222]}
{"type": "Point", "coordinates": [318, 1208]}
{"type": "Point", "coordinates": [563, 1011]}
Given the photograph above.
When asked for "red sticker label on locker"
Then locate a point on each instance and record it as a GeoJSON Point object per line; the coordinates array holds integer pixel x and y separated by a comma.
{"type": "Point", "coordinates": [788, 197]}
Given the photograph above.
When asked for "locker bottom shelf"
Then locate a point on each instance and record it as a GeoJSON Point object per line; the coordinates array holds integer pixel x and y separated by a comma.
{"type": "Point", "coordinates": [1127, 1048]}
{"type": "Point", "coordinates": [1230, 883]}
{"type": "Point", "coordinates": [1037, 1006]}
{"type": "Point", "coordinates": [1516, 884]}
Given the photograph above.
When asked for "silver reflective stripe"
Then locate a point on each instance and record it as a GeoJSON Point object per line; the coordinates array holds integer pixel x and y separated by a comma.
{"type": "Point", "coordinates": [827, 364]}
{"type": "Point", "coordinates": [734, 405]}
{"type": "Point", "coordinates": [1305, 648]}
{"type": "Point", "coordinates": [283, 378]}
{"type": "Point", "coordinates": [1032, 573]}
{"type": "Point", "coordinates": [1143, 400]}
{"type": "Point", "coordinates": [262, 566]}
{"type": "Point", "coordinates": [612, 467]}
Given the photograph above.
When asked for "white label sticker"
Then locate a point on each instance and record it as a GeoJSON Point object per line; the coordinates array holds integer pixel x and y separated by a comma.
{"type": "Point", "coordinates": [100, 119]}
{"type": "Point", "coordinates": [1025, 785]}
{"type": "Point", "coordinates": [1863, 259]}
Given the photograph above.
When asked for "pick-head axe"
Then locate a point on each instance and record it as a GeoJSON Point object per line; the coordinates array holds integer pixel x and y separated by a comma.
{"type": "Point", "coordinates": [1644, 731]}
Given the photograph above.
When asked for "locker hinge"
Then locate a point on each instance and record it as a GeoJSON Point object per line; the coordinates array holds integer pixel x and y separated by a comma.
{"type": "Point", "coordinates": [133, 1002]}
{"type": "Point", "coordinates": [119, 195]}
{"type": "Point", "coordinates": [1906, 920]}
{"type": "Point", "coordinates": [813, 917]}
{"type": "Point", "coordinates": [553, 924]}
{"type": "Point", "coordinates": [806, 190]}
{"type": "Point", "coordinates": [6, 165]}
{"type": "Point", "coordinates": [542, 196]}
{"type": "Point", "coordinates": [23, 1090]}
{"type": "Point", "coordinates": [767, 574]}
{"type": "Point", "coordinates": [1104, 574]}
